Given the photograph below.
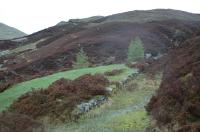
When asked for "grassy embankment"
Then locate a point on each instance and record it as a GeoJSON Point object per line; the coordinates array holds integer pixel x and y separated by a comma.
{"type": "Point", "coordinates": [8, 96]}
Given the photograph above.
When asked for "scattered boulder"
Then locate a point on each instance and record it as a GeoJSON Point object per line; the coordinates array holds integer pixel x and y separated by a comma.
{"type": "Point", "coordinates": [109, 90]}
{"type": "Point", "coordinates": [148, 55]}
{"type": "Point", "coordinates": [124, 82]}
{"type": "Point", "coordinates": [86, 106]}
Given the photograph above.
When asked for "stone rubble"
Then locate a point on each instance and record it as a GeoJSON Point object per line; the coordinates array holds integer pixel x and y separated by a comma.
{"type": "Point", "coordinates": [87, 106]}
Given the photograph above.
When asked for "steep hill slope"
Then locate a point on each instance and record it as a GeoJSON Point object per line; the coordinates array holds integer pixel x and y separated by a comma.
{"type": "Point", "coordinates": [103, 40]}
{"type": "Point", "coordinates": [176, 105]}
{"type": "Point", "coordinates": [7, 32]}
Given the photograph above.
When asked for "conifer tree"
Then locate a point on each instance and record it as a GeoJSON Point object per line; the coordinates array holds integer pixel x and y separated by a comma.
{"type": "Point", "coordinates": [135, 50]}
{"type": "Point", "coordinates": [82, 60]}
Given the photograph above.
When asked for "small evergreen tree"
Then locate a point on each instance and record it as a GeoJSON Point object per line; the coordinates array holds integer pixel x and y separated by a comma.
{"type": "Point", "coordinates": [135, 50]}
{"type": "Point", "coordinates": [81, 60]}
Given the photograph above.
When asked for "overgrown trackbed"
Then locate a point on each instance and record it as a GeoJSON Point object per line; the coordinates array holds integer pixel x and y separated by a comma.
{"type": "Point", "coordinates": [123, 112]}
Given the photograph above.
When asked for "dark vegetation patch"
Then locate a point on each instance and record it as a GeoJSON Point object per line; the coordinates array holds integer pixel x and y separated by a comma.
{"type": "Point", "coordinates": [11, 122]}
{"type": "Point", "coordinates": [178, 99]}
{"type": "Point", "coordinates": [4, 86]}
{"type": "Point", "coordinates": [150, 66]}
{"type": "Point", "coordinates": [156, 65]}
{"type": "Point", "coordinates": [61, 97]}
{"type": "Point", "coordinates": [111, 40]}
{"type": "Point", "coordinates": [7, 79]}
{"type": "Point", "coordinates": [141, 65]}
{"type": "Point", "coordinates": [114, 72]}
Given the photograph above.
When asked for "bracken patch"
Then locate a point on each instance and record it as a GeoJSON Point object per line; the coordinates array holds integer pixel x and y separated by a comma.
{"type": "Point", "coordinates": [12, 122]}
{"type": "Point", "coordinates": [178, 99]}
{"type": "Point", "coordinates": [58, 101]}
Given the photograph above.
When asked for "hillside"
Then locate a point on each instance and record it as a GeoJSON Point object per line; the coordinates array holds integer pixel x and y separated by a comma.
{"type": "Point", "coordinates": [124, 106]}
{"type": "Point", "coordinates": [7, 32]}
{"type": "Point", "coordinates": [140, 16]}
{"type": "Point", "coordinates": [176, 105]}
{"type": "Point", "coordinates": [54, 49]}
{"type": "Point", "coordinates": [75, 76]}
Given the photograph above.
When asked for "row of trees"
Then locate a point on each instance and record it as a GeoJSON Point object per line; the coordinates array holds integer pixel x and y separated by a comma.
{"type": "Point", "coordinates": [135, 52]}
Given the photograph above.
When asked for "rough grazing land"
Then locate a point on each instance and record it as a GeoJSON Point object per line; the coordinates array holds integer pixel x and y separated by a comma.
{"type": "Point", "coordinates": [12, 122]}
{"type": "Point", "coordinates": [176, 105]}
{"type": "Point", "coordinates": [15, 91]}
{"type": "Point", "coordinates": [110, 36]}
{"type": "Point", "coordinates": [124, 111]}
{"type": "Point", "coordinates": [60, 98]}
{"type": "Point", "coordinates": [56, 103]}
{"type": "Point", "coordinates": [169, 41]}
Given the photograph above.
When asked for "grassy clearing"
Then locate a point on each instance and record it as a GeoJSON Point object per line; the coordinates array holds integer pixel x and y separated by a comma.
{"type": "Point", "coordinates": [7, 97]}
{"type": "Point", "coordinates": [124, 112]}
